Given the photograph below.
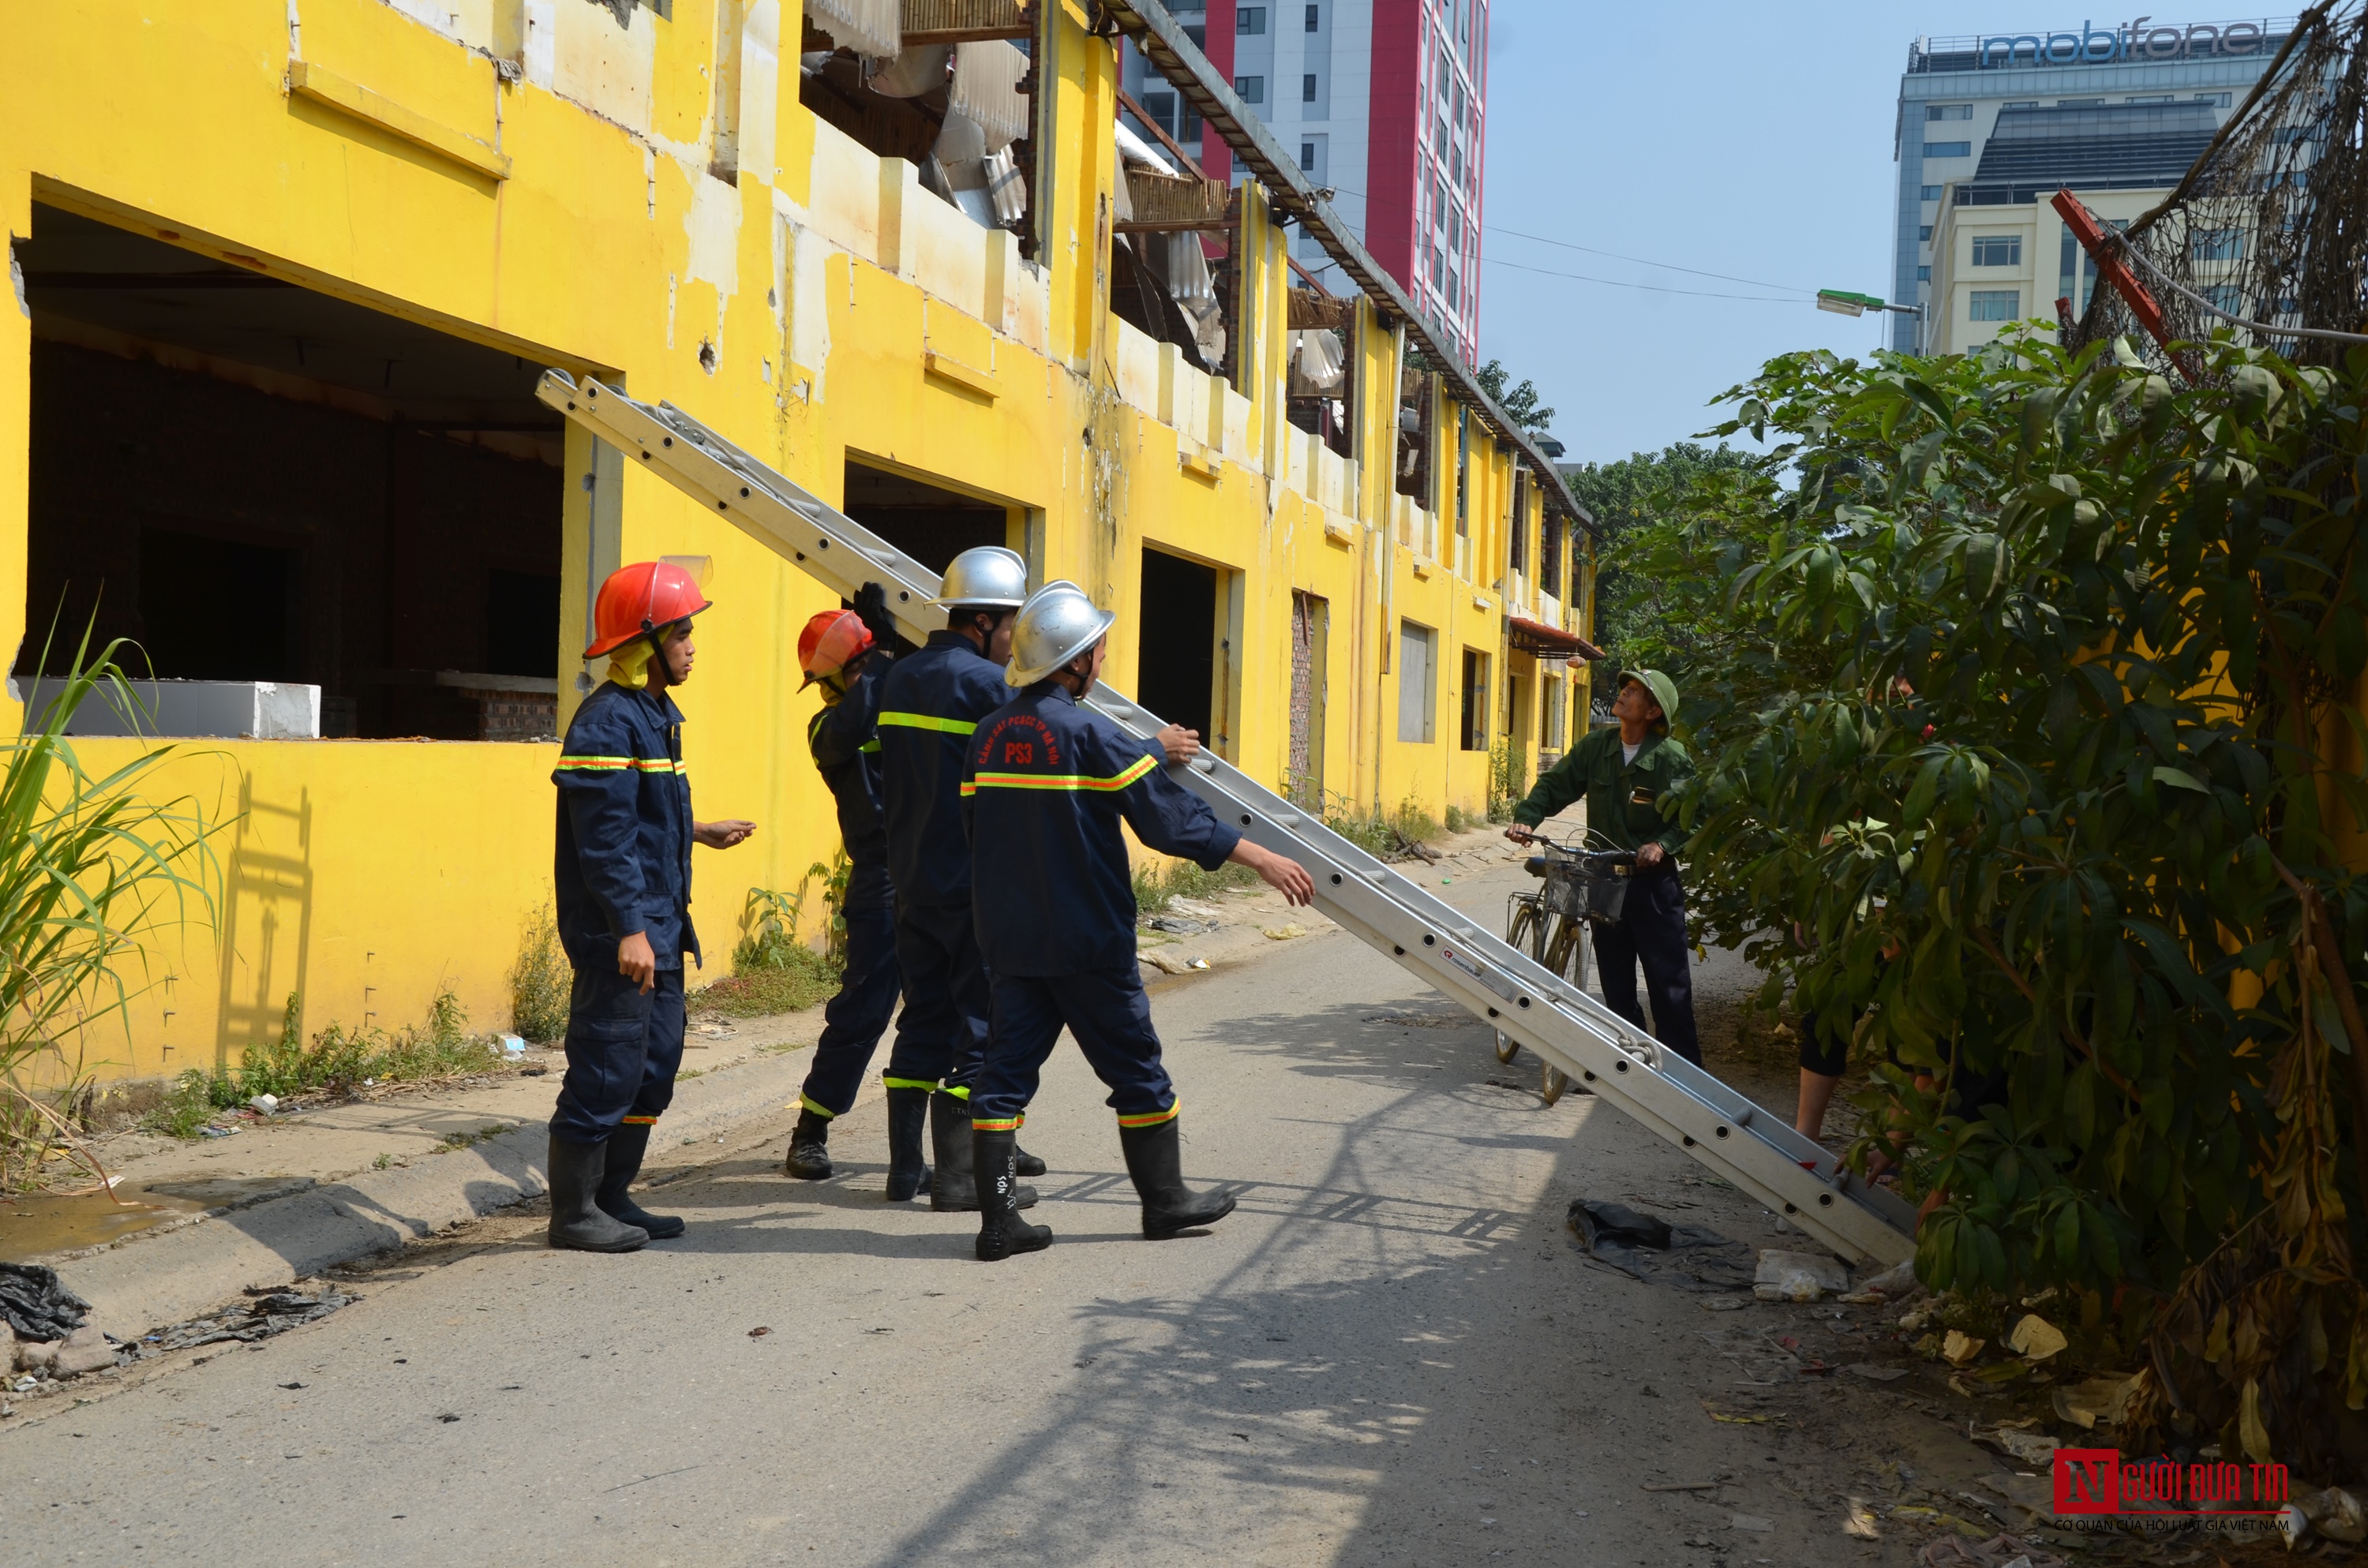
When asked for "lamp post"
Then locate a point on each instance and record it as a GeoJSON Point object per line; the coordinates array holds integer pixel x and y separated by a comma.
{"type": "Point", "coordinates": [1842, 303]}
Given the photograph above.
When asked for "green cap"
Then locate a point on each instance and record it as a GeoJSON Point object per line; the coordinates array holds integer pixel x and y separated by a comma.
{"type": "Point", "coordinates": [1664, 689]}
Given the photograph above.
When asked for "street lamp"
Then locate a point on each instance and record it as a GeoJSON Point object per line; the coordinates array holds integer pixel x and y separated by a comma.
{"type": "Point", "coordinates": [1842, 303]}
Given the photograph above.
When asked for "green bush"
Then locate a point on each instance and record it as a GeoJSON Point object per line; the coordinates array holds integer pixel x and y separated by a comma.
{"type": "Point", "coordinates": [338, 1059]}
{"type": "Point", "coordinates": [772, 970]}
{"type": "Point", "coordinates": [540, 981]}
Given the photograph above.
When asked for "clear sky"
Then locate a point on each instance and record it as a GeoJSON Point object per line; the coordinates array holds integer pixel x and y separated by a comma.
{"type": "Point", "coordinates": [1752, 140]}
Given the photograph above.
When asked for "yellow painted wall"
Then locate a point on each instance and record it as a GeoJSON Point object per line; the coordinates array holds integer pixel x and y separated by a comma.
{"type": "Point", "coordinates": [366, 875]}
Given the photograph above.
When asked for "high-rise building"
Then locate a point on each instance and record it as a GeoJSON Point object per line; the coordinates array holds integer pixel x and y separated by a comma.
{"type": "Point", "coordinates": [1382, 102]}
{"type": "Point", "coordinates": [1991, 126]}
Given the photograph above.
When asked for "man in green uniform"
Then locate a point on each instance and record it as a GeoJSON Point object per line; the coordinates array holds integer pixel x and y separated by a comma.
{"type": "Point", "coordinates": [1625, 775]}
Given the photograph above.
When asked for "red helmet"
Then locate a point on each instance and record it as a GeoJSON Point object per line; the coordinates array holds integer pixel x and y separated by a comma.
{"type": "Point", "coordinates": [646, 596]}
{"type": "Point", "coordinates": [830, 643]}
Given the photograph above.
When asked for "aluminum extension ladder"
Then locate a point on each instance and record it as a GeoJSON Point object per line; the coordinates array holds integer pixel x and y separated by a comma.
{"type": "Point", "coordinates": [1621, 1063]}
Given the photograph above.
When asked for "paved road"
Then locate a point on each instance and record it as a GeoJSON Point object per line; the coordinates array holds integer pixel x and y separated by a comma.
{"type": "Point", "coordinates": [1389, 1354]}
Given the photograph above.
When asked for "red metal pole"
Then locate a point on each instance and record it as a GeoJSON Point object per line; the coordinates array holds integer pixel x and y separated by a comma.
{"type": "Point", "coordinates": [2106, 252]}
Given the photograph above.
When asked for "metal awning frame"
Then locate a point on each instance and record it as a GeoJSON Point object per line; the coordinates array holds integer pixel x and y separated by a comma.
{"type": "Point", "coordinates": [1163, 42]}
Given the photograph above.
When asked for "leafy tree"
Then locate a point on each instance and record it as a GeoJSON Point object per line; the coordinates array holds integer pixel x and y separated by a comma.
{"type": "Point", "coordinates": [1520, 404]}
{"type": "Point", "coordinates": [1645, 617]}
{"type": "Point", "coordinates": [2045, 739]}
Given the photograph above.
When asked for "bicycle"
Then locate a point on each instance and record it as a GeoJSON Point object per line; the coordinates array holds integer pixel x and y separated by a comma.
{"type": "Point", "coordinates": [1582, 888]}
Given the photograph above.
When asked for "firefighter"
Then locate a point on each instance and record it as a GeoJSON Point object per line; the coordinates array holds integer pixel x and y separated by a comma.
{"type": "Point", "coordinates": [846, 653]}
{"type": "Point", "coordinates": [623, 895]}
{"type": "Point", "coordinates": [929, 704]}
{"type": "Point", "coordinates": [1047, 785]}
{"type": "Point", "coordinates": [1625, 775]}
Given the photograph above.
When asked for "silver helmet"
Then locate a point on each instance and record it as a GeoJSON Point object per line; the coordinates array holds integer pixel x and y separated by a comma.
{"type": "Point", "coordinates": [1056, 624]}
{"type": "Point", "coordinates": [989, 577]}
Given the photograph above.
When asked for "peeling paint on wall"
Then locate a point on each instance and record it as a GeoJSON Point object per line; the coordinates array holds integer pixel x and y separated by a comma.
{"type": "Point", "coordinates": [16, 277]}
{"type": "Point", "coordinates": [713, 226]}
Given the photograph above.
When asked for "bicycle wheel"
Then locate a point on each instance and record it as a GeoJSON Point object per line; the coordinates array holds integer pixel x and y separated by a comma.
{"type": "Point", "coordinates": [1526, 933]}
{"type": "Point", "coordinates": [1552, 1082]}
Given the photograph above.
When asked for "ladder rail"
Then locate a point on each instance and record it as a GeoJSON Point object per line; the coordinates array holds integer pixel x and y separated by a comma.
{"type": "Point", "coordinates": [1718, 1126]}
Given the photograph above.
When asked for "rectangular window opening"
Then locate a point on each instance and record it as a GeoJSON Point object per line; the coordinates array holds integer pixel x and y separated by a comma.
{"type": "Point", "coordinates": [1474, 727]}
{"type": "Point", "coordinates": [1997, 250]}
{"type": "Point", "coordinates": [1177, 652]}
{"type": "Point", "coordinates": [394, 573]}
{"type": "Point", "coordinates": [1417, 685]}
{"type": "Point", "coordinates": [1315, 17]}
{"type": "Point", "coordinates": [1250, 20]}
{"type": "Point", "coordinates": [1307, 88]}
{"type": "Point", "coordinates": [1250, 89]}
{"type": "Point", "coordinates": [1948, 149]}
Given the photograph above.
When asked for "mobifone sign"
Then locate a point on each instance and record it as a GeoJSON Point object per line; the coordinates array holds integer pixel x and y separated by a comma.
{"type": "Point", "coordinates": [2134, 40]}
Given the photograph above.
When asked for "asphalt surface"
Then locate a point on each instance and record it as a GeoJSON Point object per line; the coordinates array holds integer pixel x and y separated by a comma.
{"type": "Point", "coordinates": [1390, 1353]}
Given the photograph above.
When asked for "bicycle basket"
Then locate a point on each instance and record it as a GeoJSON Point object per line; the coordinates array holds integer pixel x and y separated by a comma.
{"type": "Point", "coordinates": [1585, 891]}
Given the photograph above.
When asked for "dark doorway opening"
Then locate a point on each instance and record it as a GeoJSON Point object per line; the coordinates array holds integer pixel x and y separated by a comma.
{"type": "Point", "coordinates": [259, 483]}
{"type": "Point", "coordinates": [1176, 656]}
{"type": "Point", "coordinates": [926, 521]}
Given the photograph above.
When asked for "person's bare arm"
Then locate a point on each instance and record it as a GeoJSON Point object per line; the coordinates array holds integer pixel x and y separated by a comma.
{"type": "Point", "coordinates": [1288, 878]}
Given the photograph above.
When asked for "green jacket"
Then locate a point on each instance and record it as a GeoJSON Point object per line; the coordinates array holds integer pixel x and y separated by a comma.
{"type": "Point", "coordinates": [1625, 801]}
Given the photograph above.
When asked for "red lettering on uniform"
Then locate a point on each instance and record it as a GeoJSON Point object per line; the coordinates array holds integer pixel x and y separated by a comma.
{"type": "Point", "coordinates": [1018, 752]}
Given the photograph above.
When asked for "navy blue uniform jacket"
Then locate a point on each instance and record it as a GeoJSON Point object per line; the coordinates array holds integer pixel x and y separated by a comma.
{"type": "Point", "coordinates": [1048, 782]}
{"type": "Point", "coordinates": [929, 704]}
{"type": "Point", "coordinates": [845, 739]}
{"type": "Point", "coordinates": [624, 863]}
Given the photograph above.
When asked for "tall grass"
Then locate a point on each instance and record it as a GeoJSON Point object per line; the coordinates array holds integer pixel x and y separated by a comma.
{"type": "Point", "coordinates": [539, 979]}
{"type": "Point", "coordinates": [92, 872]}
{"type": "Point", "coordinates": [1157, 886]}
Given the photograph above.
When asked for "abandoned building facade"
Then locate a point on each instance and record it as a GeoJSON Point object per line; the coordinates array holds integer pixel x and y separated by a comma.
{"type": "Point", "coordinates": [285, 276]}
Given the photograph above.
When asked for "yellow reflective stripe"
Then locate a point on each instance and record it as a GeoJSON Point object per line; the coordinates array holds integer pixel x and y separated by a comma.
{"type": "Point", "coordinates": [640, 1121]}
{"type": "Point", "coordinates": [1061, 781]}
{"type": "Point", "coordinates": [869, 746]}
{"type": "Point", "coordinates": [1154, 1118]}
{"type": "Point", "coordinates": [621, 765]}
{"type": "Point", "coordinates": [907, 1082]}
{"type": "Point", "coordinates": [959, 1092]}
{"type": "Point", "coordinates": [810, 1103]}
{"type": "Point", "coordinates": [1001, 1124]}
{"type": "Point", "coordinates": [923, 722]}
{"type": "Point", "coordinates": [968, 787]}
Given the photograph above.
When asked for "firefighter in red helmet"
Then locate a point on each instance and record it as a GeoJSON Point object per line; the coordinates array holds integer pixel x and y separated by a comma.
{"type": "Point", "coordinates": [622, 872]}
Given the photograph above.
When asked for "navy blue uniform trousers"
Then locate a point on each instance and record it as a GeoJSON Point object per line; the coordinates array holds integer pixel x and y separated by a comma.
{"type": "Point", "coordinates": [942, 1037]}
{"type": "Point", "coordinates": [1652, 931]}
{"type": "Point", "coordinates": [854, 1020]}
{"type": "Point", "coordinates": [1108, 1015]}
{"type": "Point", "coordinates": [623, 1050]}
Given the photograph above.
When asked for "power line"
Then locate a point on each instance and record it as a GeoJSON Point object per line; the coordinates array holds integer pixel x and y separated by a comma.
{"type": "Point", "coordinates": [1649, 288]}
{"type": "Point", "coordinates": [1615, 255]}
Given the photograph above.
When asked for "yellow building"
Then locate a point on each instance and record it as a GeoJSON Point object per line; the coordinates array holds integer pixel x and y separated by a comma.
{"type": "Point", "coordinates": [285, 275]}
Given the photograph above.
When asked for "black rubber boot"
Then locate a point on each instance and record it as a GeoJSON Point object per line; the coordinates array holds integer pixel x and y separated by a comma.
{"type": "Point", "coordinates": [908, 1168]}
{"type": "Point", "coordinates": [809, 1148]}
{"type": "Point", "coordinates": [1155, 1158]}
{"type": "Point", "coordinates": [953, 1190]}
{"type": "Point", "coordinates": [575, 1221]}
{"type": "Point", "coordinates": [626, 1147]}
{"type": "Point", "coordinates": [1001, 1230]}
{"type": "Point", "coordinates": [1029, 1165]}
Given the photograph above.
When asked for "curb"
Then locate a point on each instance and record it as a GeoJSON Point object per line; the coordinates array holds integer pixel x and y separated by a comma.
{"type": "Point", "coordinates": [171, 1276]}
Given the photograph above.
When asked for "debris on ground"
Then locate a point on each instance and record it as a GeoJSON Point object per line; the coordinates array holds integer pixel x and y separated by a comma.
{"type": "Point", "coordinates": [2335, 1514]}
{"type": "Point", "coordinates": [1893, 1284]}
{"type": "Point", "coordinates": [1998, 1552]}
{"type": "Point", "coordinates": [1797, 1276]}
{"type": "Point", "coordinates": [269, 1313]}
{"type": "Point", "coordinates": [2084, 1404]}
{"type": "Point", "coordinates": [1283, 932]}
{"type": "Point", "coordinates": [1169, 963]}
{"type": "Point", "coordinates": [1177, 924]}
{"type": "Point", "coordinates": [1685, 1257]}
{"type": "Point", "coordinates": [2035, 1340]}
{"type": "Point", "coordinates": [2019, 1441]}
{"type": "Point", "coordinates": [36, 1304]}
